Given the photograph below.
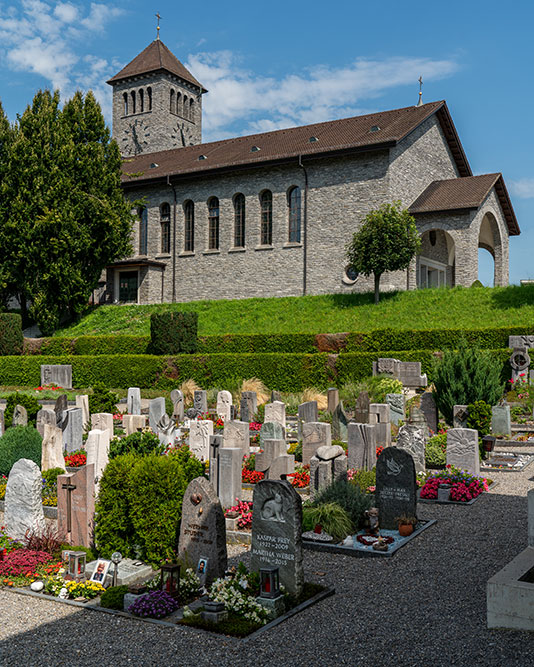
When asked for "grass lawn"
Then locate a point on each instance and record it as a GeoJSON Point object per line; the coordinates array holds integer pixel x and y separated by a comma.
{"type": "Point", "coordinates": [457, 308]}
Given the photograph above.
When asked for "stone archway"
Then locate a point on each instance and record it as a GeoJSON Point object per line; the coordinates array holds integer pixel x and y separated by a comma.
{"type": "Point", "coordinates": [490, 239]}
{"type": "Point", "coordinates": [436, 261]}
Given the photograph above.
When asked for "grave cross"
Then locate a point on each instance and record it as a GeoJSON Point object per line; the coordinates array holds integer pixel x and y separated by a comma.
{"type": "Point", "coordinates": [69, 488]}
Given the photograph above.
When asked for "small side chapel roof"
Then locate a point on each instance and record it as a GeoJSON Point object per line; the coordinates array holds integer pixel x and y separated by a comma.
{"type": "Point", "coordinates": [466, 193]}
{"type": "Point", "coordinates": [154, 58]}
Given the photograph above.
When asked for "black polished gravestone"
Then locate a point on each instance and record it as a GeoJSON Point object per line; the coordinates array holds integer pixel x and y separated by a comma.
{"type": "Point", "coordinates": [396, 487]}
{"type": "Point", "coordinates": [277, 532]}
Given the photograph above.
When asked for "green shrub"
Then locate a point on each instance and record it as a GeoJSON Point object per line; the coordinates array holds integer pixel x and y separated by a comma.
{"type": "Point", "coordinates": [11, 338]}
{"type": "Point", "coordinates": [340, 443]}
{"type": "Point", "coordinates": [113, 597]}
{"type": "Point", "coordinates": [173, 333]}
{"type": "Point", "coordinates": [350, 497]}
{"type": "Point", "coordinates": [19, 442]}
{"type": "Point", "coordinates": [464, 376]}
{"type": "Point", "coordinates": [29, 402]}
{"type": "Point", "coordinates": [479, 417]}
{"type": "Point", "coordinates": [102, 400]}
{"type": "Point", "coordinates": [50, 476]}
{"type": "Point", "coordinates": [436, 451]}
{"type": "Point", "coordinates": [142, 443]}
{"type": "Point", "coordinates": [363, 479]}
{"type": "Point", "coordinates": [332, 517]}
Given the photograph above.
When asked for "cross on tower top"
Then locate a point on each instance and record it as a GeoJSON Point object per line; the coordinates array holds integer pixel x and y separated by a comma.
{"type": "Point", "coordinates": [420, 101]}
{"type": "Point", "coordinates": [157, 28]}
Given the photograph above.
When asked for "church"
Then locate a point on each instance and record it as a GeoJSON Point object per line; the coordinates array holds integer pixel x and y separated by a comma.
{"type": "Point", "coordinates": [271, 214]}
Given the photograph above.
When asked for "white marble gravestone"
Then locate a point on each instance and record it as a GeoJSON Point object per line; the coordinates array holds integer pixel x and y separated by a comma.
{"type": "Point", "coordinates": [200, 431]}
{"type": "Point", "coordinates": [463, 450]}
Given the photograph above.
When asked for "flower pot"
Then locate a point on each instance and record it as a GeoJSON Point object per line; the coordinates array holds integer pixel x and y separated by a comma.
{"type": "Point", "coordinates": [405, 529]}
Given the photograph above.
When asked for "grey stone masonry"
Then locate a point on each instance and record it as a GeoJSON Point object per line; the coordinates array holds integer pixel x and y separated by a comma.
{"type": "Point", "coordinates": [276, 412]}
{"type": "Point", "coordinates": [412, 439]}
{"type": "Point", "coordinates": [379, 413]}
{"type": "Point", "coordinates": [23, 504]}
{"type": "Point", "coordinates": [156, 410]}
{"type": "Point", "coordinates": [429, 409]}
{"type": "Point", "coordinates": [271, 450]}
{"type": "Point", "coordinates": [397, 407]}
{"type": "Point", "coordinates": [200, 401]}
{"type": "Point", "coordinates": [333, 399]}
{"type": "Point", "coordinates": [271, 431]}
{"type": "Point", "coordinates": [237, 434]}
{"type": "Point", "coordinates": [248, 405]}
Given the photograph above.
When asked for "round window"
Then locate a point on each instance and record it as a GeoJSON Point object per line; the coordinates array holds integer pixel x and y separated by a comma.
{"type": "Point", "coordinates": [350, 275]}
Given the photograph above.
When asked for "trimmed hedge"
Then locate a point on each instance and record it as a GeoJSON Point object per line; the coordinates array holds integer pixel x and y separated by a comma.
{"type": "Point", "coordinates": [11, 338]}
{"type": "Point", "coordinates": [173, 333]}
{"type": "Point", "coordinates": [283, 371]}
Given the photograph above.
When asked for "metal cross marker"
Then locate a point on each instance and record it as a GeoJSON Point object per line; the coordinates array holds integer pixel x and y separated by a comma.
{"type": "Point", "coordinates": [69, 488]}
{"type": "Point", "coordinates": [158, 17]}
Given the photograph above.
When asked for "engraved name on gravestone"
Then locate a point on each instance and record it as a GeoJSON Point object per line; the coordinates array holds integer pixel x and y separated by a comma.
{"type": "Point", "coordinates": [57, 374]}
{"type": "Point", "coordinates": [396, 407]}
{"type": "Point", "coordinates": [133, 404]}
{"type": "Point", "coordinates": [203, 529]}
{"type": "Point", "coordinates": [462, 449]}
{"type": "Point", "coordinates": [276, 532]}
{"type": "Point", "coordinates": [200, 401]}
{"type": "Point", "coordinates": [412, 439]}
{"type": "Point", "coordinates": [396, 487]}
{"type": "Point", "coordinates": [177, 399]}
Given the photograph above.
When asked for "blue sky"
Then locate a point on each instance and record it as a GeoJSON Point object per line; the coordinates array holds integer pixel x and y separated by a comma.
{"type": "Point", "coordinates": [278, 64]}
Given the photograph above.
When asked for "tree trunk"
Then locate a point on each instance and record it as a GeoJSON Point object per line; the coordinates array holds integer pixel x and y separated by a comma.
{"type": "Point", "coordinates": [377, 287]}
{"type": "Point", "coordinates": [23, 309]}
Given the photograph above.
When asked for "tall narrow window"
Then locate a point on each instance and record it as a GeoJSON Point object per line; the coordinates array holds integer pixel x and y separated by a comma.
{"type": "Point", "coordinates": [165, 220]}
{"type": "Point", "coordinates": [179, 103]}
{"type": "Point", "coordinates": [172, 102]}
{"type": "Point", "coordinates": [186, 106]}
{"type": "Point", "coordinates": [192, 110]}
{"type": "Point", "coordinates": [266, 200]}
{"type": "Point", "coordinates": [189, 226]}
{"type": "Point", "coordinates": [133, 101]}
{"type": "Point", "coordinates": [293, 200]}
{"type": "Point", "coordinates": [141, 101]}
{"type": "Point", "coordinates": [239, 221]}
{"type": "Point", "coordinates": [213, 224]}
{"type": "Point", "coordinates": [143, 231]}
{"type": "Point", "coordinates": [149, 95]}
{"type": "Point", "coordinates": [125, 97]}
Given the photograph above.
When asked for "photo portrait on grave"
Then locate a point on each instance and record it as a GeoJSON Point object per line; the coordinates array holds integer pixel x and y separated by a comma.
{"type": "Point", "coordinates": [100, 571]}
{"type": "Point", "coordinates": [202, 570]}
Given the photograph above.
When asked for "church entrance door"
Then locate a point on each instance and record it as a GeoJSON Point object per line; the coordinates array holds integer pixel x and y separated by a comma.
{"type": "Point", "coordinates": [128, 286]}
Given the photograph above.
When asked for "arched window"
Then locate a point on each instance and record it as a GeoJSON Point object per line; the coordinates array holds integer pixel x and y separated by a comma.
{"type": "Point", "coordinates": [149, 95]}
{"type": "Point", "coordinates": [266, 201]}
{"type": "Point", "coordinates": [165, 220]}
{"type": "Point", "coordinates": [125, 97]}
{"type": "Point", "coordinates": [179, 101]}
{"type": "Point", "coordinates": [133, 100]}
{"type": "Point", "coordinates": [143, 231]}
{"type": "Point", "coordinates": [141, 101]}
{"type": "Point", "coordinates": [186, 107]}
{"type": "Point", "coordinates": [239, 221]}
{"type": "Point", "coordinates": [189, 226]}
{"type": "Point", "coordinates": [213, 223]}
{"type": "Point", "coordinates": [293, 202]}
{"type": "Point", "coordinates": [192, 110]}
{"type": "Point", "coordinates": [171, 107]}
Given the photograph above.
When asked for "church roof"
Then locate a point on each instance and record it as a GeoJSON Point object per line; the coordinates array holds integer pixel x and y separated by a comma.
{"type": "Point", "coordinates": [466, 193]}
{"type": "Point", "coordinates": [156, 57]}
{"type": "Point", "coordinates": [375, 131]}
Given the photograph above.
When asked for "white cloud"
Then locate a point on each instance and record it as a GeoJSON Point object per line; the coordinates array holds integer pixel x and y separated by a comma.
{"type": "Point", "coordinates": [66, 12]}
{"type": "Point", "coordinates": [523, 188]}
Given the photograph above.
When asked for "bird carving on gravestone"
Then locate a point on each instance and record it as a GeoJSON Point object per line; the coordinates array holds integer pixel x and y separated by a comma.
{"type": "Point", "coordinates": [393, 467]}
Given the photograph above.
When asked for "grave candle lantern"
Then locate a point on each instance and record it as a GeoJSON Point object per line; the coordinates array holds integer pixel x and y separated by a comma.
{"type": "Point", "coordinates": [269, 582]}
{"type": "Point", "coordinates": [170, 579]}
{"type": "Point", "coordinates": [77, 560]}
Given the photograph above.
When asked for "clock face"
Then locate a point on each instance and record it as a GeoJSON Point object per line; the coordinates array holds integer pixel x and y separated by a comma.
{"type": "Point", "coordinates": [136, 138]}
{"type": "Point", "coordinates": [181, 135]}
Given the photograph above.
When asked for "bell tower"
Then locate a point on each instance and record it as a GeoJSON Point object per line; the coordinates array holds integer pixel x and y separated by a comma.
{"type": "Point", "coordinates": [157, 103]}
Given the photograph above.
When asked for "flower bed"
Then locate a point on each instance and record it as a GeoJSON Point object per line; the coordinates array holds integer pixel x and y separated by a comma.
{"type": "Point", "coordinates": [244, 509]}
{"type": "Point", "coordinates": [464, 487]}
{"type": "Point", "coordinates": [76, 459]}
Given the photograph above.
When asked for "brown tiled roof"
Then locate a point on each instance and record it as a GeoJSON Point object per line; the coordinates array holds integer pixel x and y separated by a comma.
{"type": "Point", "coordinates": [154, 58]}
{"type": "Point", "coordinates": [333, 138]}
{"type": "Point", "coordinates": [465, 193]}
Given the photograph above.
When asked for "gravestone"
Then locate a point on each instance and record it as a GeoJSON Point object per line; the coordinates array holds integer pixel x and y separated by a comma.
{"type": "Point", "coordinates": [379, 413]}
{"type": "Point", "coordinates": [23, 511]}
{"type": "Point", "coordinates": [45, 416]}
{"type": "Point", "coordinates": [460, 413]}
{"type": "Point", "coordinates": [327, 466]}
{"type": "Point", "coordinates": [203, 529]}
{"type": "Point", "coordinates": [410, 374]}
{"type": "Point", "coordinates": [73, 430]}
{"type": "Point", "coordinates": [132, 423]}
{"type": "Point", "coordinates": [76, 506]}
{"type": "Point", "coordinates": [59, 375]}
{"type": "Point", "coordinates": [520, 362]}
{"type": "Point", "coordinates": [281, 466]}
{"type": "Point", "coordinates": [271, 431]}
{"type": "Point", "coordinates": [20, 416]}
{"type": "Point", "coordinates": [156, 410]}
{"type": "Point", "coordinates": [216, 443]}
{"type": "Point", "coordinates": [397, 409]}
{"type": "Point", "coordinates": [462, 449]}
{"type": "Point", "coordinates": [276, 396]}
{"type": "Point", "coordinates": [501, 422]}
{"type": "Point", "coordinates": [314, 435]}
{"type": "Point", "coordinates": [248, 405]}
{"type": "Point", "coordinates": [103, 421]}
{"type": "Point", "coordinates": [412, 439]}
{"type": "Point", "coordinates": [177, 399]}
{"type": "Point", "coordinates": [361, 446]}
{"type": "Point", "coordinates": [333, 399]}
{"type": "Point", "coordinates": [276, 412]}
{"type": "Point", "coordinates": [82, 402]}
{"type": "Point", "coordinates": [339, 423]}
{"type": "Point", "coordinates": [307, 412]}
{"type": "Point", "coordinates": [396, 487]}
{"type": "Point", "coordinates": [60, 407]}
{"type": "Point", "coordinates": [229, 466]}
{"type": "Point", "coordinates": [237, 434]}
{"type": "Point", "coordinates": [200, 431]}
{"type": "Point", "coordinates": [200, 401]}
{"type": "Point", "coordinates": [526, 341]}
{"type": "Point", "coordinates": [417, 418]}
{"type": "Point", "coordinates": [224, 405]}
{"type": "Point", "coordinates": [133, 403]}
{"type": "Point", "coordinates": [52, 448]}
{"type": "Point", "coordinates": [167, 430]}
{"type": "Point", "coordinates": [361, 411]}
{"type": "Point", "coordinates": [429, 410]}
{"type": "Point", "coordinates": [276, 532]}
{"type": "Point", "coordinates": [2, 423]}
{"type": "Point", "coordinates": [97, 448]}
{"type": "Point", "coordinates": [271, 450]}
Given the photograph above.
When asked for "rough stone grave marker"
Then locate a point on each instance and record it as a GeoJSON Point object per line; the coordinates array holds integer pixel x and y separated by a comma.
{"type": "Point", "coordinates": [396, 487]}
{"type": "Point", "coordinates": [248, 405]}
{"type": "Point", "coordinates": [76, 506]}
{"type": "Point", "coordinates": [200, 431]}
{"type": "Point", "coordinates": [229, 465]}
{"type": "Point", "coordinates": [463, 450]}
{"type": "Point", "coordinates": [44, 416]}
{"type": "Point", "coordinates": [430, 411]}
{"type": "Point", "coordinates": [397, 408]}
{"type": "Point", "coordinates": [203, 529]}
{"type": "Point", "coordinates": [417, 418]}
{"type": "Point", "coordinates": [276, 532]}
{"type": "Point", "coordinates": [237, 434]}
{"type": "Point", "coordinates": [340, 423]}
{"type": "Point", "coordinates": [361, 446]}
{"type": "Point", "coordinates": [73, 430]}
{"type": "Point", "coordinates": [328, 465]}
{"type": "Point", "coordinates": [156, 410]}
{"type": "Point", "coordinates": [102, 421]}
{"type": "Point", "coordinates": [23, 504]}
{"type": "Point", "coordinates": [271, 431]}
{"type": "Point", "coordinates": [20, 416]}
{"type": "Point", "coordinates": [82, 402]}
{"type": "Point", "coordinates": [333, 399]}
{"type": "Point", "coordinates": [314, 435]}
{"type": "Point", "coordinates": [224, 405]}
{"type": "Point", "coordinates": [132, 423]}
{"type": "Point", "coordinates": [133, 403]}
{"type": "Point", "coordinates": [307, 412]}
{"type": "Point", "coordinates": [276, 412]}
{"type": "Point", "coordinates": [52, 448]}
{"type": "Point", "coordinates": [57, 374]}
{"type": "Point", "coordinates": [412, 439]}
{"type": "Point", "coordinates": [200, 401]}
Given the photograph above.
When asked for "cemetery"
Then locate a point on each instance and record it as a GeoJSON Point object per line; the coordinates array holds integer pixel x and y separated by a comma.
{"type": "Point", "coordinates": [198, 506]}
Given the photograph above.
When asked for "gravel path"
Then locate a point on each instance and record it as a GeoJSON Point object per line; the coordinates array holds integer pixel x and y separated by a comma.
{"type": "Point", "coordinates": [425, 606]}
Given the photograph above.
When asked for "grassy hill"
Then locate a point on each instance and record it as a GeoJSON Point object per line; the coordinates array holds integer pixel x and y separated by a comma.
{"type": "Point", "coordinates": [457, 308]}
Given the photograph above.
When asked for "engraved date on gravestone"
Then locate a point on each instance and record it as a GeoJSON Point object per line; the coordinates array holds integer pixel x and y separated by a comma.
{"type": "Point", "coordinates": [197, 533]}
{"type": "Point", "coordinates": [273, 549]}
{"type": "Point", "coordinates": [395, 493]}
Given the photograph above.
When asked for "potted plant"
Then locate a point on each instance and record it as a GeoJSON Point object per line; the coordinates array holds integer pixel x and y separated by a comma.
{"type": "Point", "coordinates": [406, 524]}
